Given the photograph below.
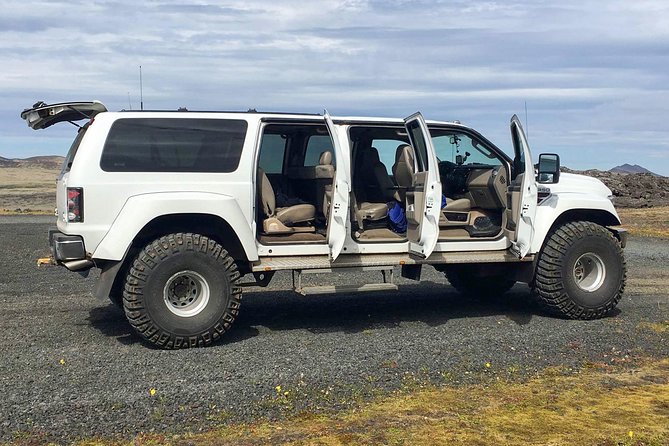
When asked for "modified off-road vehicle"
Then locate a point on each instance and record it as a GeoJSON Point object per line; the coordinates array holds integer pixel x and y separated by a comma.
{"type": "Point", "coordinates": [175, 208]}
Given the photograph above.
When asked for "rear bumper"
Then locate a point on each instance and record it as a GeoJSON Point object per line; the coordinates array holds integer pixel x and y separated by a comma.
{"type": "Point", "coordinates": [69, 250]}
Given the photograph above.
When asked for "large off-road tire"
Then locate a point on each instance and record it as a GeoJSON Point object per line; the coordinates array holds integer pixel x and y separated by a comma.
{"type": "Point", "coordinates": [581, 271]}
{"type": "Point", "coordinates": [182, 291]}
{"type": "Point", "coordinates": [463, 279]}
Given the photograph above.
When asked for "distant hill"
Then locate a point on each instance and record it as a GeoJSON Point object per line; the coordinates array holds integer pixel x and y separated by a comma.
{"type": "Point", "coordinates": [631, 168]}
{"type": "Point", "coordinates": [44, 162]}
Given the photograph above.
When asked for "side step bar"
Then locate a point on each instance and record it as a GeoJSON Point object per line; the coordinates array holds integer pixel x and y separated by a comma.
{"type": "Point", "coordinates": [322, 262]}
{"type": "Point", "coordinates": [386, 285]}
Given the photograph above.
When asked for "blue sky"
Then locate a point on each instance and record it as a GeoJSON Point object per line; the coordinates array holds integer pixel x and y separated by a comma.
{"type": "Point", "coordinates": [594, 74]}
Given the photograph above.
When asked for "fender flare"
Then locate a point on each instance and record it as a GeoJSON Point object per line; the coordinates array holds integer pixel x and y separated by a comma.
{"type": "Point", "coordinates": [580, 206]}
{"type": "Point", "coordinates": [139, 210]}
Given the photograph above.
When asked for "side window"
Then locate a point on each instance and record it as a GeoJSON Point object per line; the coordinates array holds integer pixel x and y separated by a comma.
{"type": "Point", "coordinates": [519, 159]}
{"type": "Point", "coordinates": [460, 148]}
{"type": "Point", "coordinates": [173, 145]}
{"type": "Point", "coordinates": [420, 145]}
{"type": "Point", "coordinates": [387, 149]}
{"type": "Point", "coordinates": [272, 151]}
{"type": "Point", "coordinates": [317, 144]}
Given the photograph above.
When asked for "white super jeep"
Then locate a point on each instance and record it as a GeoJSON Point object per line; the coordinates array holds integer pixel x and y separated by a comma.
{"type": "Point", "coordinates": [175, 207]}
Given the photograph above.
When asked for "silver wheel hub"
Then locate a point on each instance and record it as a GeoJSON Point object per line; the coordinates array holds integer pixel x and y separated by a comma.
{"type": "Point", "coordinates": [186, 293]}
{"type": "Point", "coordinates": [589, 272]}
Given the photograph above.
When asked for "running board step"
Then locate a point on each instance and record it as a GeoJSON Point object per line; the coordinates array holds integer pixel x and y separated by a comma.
{"type": "Point", "coordinates": [306, 262]}
{"type": "Point", "coordinates": [334, 289]}
{"type": "Point", "coordinates": [386, 285]}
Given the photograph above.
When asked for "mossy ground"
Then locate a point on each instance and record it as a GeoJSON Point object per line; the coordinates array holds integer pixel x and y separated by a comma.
{"type": "Point", "coordinates": [598, 405]}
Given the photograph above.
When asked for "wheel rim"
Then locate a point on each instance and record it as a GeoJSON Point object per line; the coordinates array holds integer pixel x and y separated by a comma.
{"type": "Point", "coordinates": [186, 293]}
{"type": "Point", "coordinates": [589, 272]}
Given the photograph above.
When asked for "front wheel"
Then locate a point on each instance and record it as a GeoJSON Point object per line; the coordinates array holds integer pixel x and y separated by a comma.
{"type": "Point", "coordinates": [581, 271]}
{"type": "Point", "coordinates": [182, 291]}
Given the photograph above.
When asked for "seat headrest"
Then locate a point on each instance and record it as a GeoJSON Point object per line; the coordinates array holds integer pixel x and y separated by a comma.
{"type": "Point", "coordinates": [326, 158]}
{"type": "Point", "coordinates": [373, 156]}
{"type": "Point", "coordinates": [405, 152]}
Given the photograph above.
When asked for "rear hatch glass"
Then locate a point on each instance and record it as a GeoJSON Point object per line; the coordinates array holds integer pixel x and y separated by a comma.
{"type": "Point", "coordinates": [42, 115]}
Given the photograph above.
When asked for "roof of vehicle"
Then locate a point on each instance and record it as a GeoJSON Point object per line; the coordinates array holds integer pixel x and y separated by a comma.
{"type": "Point", "coordinates": [42, 115]}
{"type": "Point", "coordinates": [297, 116]}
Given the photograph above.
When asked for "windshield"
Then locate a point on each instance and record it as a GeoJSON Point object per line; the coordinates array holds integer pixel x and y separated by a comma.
{"type": "Point", "coordinates": [461, 149]}
{"type": "Point", "coordinates": [69, 158]}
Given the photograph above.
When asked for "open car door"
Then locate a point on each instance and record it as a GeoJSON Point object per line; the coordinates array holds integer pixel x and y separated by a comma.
{"type": "Point", "coordinates": [41, 115]}
{"type": "Point", "coordinates": [423, 199]}
{"type": "Point", "coordinates": [341, 189]}
{"type": "Point", "coordinates": [524, 195]}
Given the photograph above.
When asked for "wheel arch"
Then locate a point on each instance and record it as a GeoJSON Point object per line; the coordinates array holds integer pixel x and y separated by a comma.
{"type": "Point", "coordinates": [149, 216]}
{"type": "Point", "coordinates": [602, 217]}
{"type": "Point", "coordinates": [212, 226]}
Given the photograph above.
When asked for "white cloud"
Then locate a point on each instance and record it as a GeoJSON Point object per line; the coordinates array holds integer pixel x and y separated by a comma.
{"type": "Point", "coordinates": [582, 66]}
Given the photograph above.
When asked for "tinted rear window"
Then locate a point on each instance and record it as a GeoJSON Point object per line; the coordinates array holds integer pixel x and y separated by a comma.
{"type": "Point", "coordinates": [173, 145]}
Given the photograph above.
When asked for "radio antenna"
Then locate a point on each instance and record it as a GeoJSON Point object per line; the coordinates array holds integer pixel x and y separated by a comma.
{"type": "Point", "coordinates": [141, 92]}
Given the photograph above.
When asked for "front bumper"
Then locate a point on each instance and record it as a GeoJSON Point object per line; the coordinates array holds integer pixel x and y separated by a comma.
{"type": "Point", "coordinates": [69, 250]}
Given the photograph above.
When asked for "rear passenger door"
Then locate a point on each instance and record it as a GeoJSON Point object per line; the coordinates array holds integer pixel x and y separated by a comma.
{"type": "Point", "coordinates": [423, 200]}
{"type": "Point", "coordinates": [341, 191]}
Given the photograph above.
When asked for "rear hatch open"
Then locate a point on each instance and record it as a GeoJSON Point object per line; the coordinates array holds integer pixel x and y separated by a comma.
{"type": "Point", "coordinates": [42, 115]}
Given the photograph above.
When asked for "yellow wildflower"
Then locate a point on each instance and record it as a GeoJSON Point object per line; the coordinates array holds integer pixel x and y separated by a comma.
{"type": "Point", "coordinates": [62, 361]}
{"type": "Point", "coordinates": [487, 365]}
{"type": "Point", "coordinates": [152, 391]}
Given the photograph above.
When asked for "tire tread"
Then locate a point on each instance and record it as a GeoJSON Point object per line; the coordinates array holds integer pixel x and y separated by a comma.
{"type": "Point", "coordinates": [148, 259]}
{"type": "Point", "coordinates": [548, 286]}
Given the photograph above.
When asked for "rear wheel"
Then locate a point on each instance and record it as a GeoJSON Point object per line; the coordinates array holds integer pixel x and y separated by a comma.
{"type": "Point", "coordinates": [581, 271]}
{"type": "Point", "coordinates": [467, 282]}
{"type": "Point", "coordinates": [182, 291]}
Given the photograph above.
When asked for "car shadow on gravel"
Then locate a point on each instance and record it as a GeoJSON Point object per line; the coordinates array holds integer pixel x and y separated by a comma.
{"type": "Point", "coordinates": [429, 303]}
{"type": "Point", "coordinates": [110, 321]}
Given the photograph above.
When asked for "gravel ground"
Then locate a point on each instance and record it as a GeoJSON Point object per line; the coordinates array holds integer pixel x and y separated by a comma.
{"type": "Point", "coordinates": [71, 366]}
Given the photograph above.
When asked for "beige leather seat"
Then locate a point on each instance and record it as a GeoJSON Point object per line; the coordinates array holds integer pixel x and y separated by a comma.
{"type": "Point", "coordinates": [459, 205]}
{"type": "Point", "coordinates": [324, 174]}
{"type": "Point", "coordinates": [378, 178]}
{"type": "Point", "coordinates": [404, 169]}
{"type": "Point", "coordinates": [282, 220]}
{"type": "Point", "coordinates": [371, 210]}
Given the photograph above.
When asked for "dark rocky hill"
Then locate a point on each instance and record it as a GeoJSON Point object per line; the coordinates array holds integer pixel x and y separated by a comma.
{"type": "Point", "coordinates": [635, 190]}
{"type": "Point", "coordinates": [631, 168]}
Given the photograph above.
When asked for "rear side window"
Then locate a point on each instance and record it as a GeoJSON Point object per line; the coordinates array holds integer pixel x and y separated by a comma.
{"type": "Point", "coordinates": [173, 145]}
{"type": "Point", "coordinates": [69, 158]}
{"type": "Point", "coordinates": [272, 150]}
{"type": "Point", "coordinates": [316, 145]}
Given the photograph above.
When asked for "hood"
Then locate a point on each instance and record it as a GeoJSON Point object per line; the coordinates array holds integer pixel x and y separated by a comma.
{"type": "Point", "coordinates": [581, 184]}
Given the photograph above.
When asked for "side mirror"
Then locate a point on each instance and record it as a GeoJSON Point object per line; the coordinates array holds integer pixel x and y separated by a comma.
{"type": "Point", "coordinates": [549, 168]}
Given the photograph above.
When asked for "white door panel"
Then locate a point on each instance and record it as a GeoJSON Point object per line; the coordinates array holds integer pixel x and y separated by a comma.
{"type": "Point", "coordinates": [341, 191]}
{"type": "Point", "coordinates": [527, 208]}
{"type": "Point", "coordinates": [424, 200]}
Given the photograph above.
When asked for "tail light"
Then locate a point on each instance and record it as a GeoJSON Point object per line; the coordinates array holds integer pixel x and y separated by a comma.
{"type": "Point", "coordinates": [75, 204]}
